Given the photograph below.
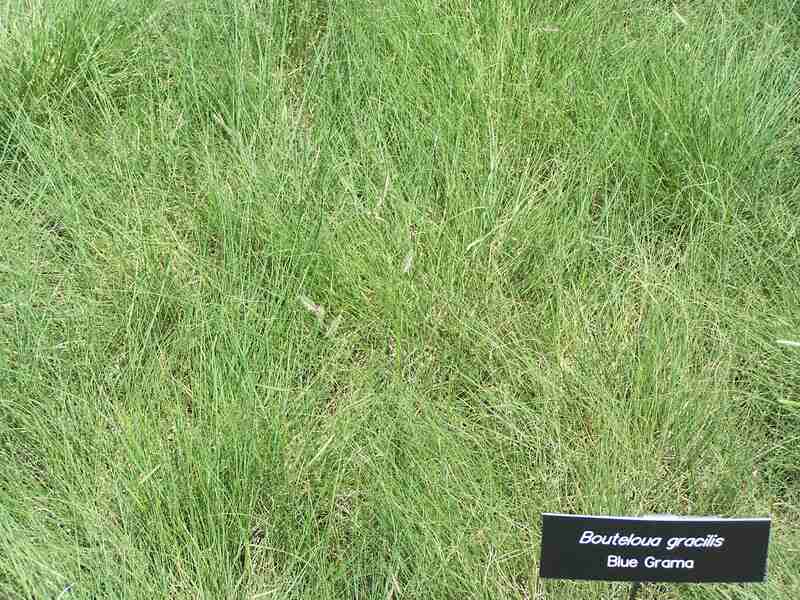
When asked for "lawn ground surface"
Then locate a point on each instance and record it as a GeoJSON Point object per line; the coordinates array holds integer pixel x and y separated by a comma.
{"type": "Point", "coordinates": [331, 299]}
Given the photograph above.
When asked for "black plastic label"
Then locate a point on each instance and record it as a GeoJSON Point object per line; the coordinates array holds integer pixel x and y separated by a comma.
{"type": "Point", "coordinates": [657, 548]}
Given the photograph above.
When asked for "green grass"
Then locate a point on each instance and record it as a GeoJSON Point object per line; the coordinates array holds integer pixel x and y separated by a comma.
{"type": "Point", "coordinates": [316, 299]}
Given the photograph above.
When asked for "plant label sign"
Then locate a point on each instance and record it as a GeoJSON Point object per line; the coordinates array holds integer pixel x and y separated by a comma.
{"type": "Point", "coordinates": [654, 548]}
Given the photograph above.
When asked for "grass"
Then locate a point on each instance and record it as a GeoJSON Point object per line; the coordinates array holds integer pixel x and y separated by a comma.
{"type": "Point", "coordinates": [314, 299]}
